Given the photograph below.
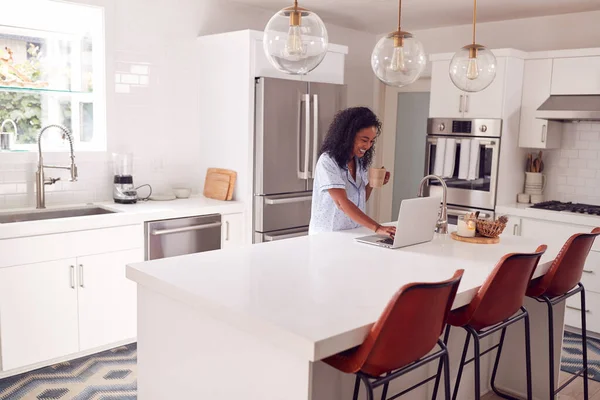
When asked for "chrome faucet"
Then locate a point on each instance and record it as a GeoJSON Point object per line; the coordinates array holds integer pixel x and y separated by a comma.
{"type": "Point", "coordinates": [40, 180]}
{"type": "Point", "coordinates": [442, 223]}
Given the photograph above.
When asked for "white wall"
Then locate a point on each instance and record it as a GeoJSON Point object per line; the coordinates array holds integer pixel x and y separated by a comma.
{"type": "Point", "coordinates": [158, 122]}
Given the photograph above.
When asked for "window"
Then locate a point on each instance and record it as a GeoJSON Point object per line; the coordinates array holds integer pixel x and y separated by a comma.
{"type": "Point", "coordinates": [52, 72]}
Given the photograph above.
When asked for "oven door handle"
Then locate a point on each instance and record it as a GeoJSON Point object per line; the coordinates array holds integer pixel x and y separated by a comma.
{"type": "Point", "coordinates": [460, 212]}
{"type": "Point", "coordinates": [159, 232]}
{"type": "Point", "coordinates": [487, 143]}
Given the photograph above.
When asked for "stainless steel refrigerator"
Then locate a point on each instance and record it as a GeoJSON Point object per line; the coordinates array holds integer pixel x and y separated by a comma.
{"type": "Point", "coordinates": [291, 120]}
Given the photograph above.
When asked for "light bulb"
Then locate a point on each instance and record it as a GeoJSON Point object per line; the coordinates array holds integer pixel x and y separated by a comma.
{"type": "Point", "coordinates": [293, 45]}
{"type": "Point", "coordinates": [398, 64]}
{"type": "Point", "coordinates": [472, 69]}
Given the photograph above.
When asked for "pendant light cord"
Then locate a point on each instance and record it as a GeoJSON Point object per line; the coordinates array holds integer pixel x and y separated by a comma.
{"type": "Point", "coordinates": [474, 18]}
{"type": "Point", "coordinates": [399, 14]}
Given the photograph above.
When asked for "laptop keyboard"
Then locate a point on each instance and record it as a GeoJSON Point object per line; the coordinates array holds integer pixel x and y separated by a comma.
{"type": "Point", "coordinates": [389, 241]}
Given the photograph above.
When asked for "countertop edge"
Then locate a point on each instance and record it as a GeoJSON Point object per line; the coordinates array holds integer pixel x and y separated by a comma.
{"type": "Point", "coordinates": [524, 210]}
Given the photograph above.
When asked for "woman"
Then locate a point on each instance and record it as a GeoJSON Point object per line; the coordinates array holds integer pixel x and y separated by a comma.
{"type": "Point", "coordinates": [341, 185]}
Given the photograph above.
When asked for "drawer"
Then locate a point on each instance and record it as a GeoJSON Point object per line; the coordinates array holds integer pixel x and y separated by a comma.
{"type": "Point", "coordinates": [591, 272]}
{"type": "Point", "coordinates": [573, 315]}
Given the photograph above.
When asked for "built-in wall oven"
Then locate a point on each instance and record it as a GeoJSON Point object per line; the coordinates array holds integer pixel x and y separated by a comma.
{"type": "Point", "coordinates": [465, 153]}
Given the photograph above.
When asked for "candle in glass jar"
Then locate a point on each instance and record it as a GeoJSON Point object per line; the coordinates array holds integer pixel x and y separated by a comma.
{"type": "Point", "coordinates": [466, 226]}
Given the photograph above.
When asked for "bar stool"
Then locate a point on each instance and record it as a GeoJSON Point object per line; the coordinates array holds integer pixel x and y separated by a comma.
{"type": "Point", "coordinates": [561, 282]}
{"type": "Point", "coordinates": [497, 305]}
{"type": "Point", "coordinates": [400, 340]}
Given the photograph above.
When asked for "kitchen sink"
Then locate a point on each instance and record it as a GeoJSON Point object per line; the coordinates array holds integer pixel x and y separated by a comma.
{"type": "Point", "coordinates": [37, 215]}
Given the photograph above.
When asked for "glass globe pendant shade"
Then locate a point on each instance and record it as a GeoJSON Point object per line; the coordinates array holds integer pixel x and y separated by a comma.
{"type": "Point", "coordinates": [398, 59]}
{"type": "Point", "coordinates": [295, 40]}
{"type": "Point", "coordinates": [473, 68]}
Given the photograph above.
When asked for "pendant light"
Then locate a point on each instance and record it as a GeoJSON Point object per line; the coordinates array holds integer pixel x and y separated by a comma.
{"type": "Point", "coordinates": [473, 68]}
{"type": "Point", "coordinates": [398, 59]}
{"type": "Point", "coordinates": [295, 40]}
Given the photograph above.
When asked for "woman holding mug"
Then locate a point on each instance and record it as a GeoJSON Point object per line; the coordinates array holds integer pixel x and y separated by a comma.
{"type": "Point", "coordinates": [341, 186]}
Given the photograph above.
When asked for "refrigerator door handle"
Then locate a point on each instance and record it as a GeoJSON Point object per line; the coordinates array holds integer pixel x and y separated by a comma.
{"type": "Point", "coordinates": [305, 100]}
{"type": "Point", "coordinates": [315, 134]}
{"type": "Point", "coordinates": [273, 202]}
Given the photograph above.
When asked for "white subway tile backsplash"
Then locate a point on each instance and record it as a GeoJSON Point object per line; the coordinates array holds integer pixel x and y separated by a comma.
{"type": "Point", "coordinates": [590, 136]}
{"type": "Point", "coordinates": [569, 153]}
{"type": "Point", "coordinates": [587, 173]}
{"type": "Point", "coordinates": [576, 176]}
{"type": "Point", "coordinates": [8, 188]}
{"type": "Point", "coordinates": [588, 154]}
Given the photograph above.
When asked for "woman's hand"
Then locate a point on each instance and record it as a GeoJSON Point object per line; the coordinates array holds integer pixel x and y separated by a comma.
{"type": "Point", "coordinates": [387, 177]}
{"type": "Point", "coordinates": [389, 231]}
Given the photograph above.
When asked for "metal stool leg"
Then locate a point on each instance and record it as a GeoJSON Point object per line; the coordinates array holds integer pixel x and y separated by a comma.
{"type": "Point", "coordinates": [528, 355]}
{"type": "Point", "coordinates": [584, 344]}
{"type": "Point", "coordinates": [497, 362]}
{"type": "Point", "coordinates": [446, 360]}
{"type": "Point", "coordinates": [368, 386]}
{"type": "Point", "coordinates": [477, 362]}
{"type": "Point", "coordinates": [552, 386]}
{"type": "Point", "coordinates": [356, 388]}
{"type": "Point", "coordinates": [439, 371]}
{"type": "Point", "coordinates": [461, 366]}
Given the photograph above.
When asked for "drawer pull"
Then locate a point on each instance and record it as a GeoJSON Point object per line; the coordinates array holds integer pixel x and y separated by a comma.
{"type": "Point", "coordinates": [578, 309]}
{"type": "Point", "coordinates": [588, 271]}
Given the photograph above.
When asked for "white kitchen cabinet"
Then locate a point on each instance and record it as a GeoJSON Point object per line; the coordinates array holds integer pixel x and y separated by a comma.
{"type": "Point", "coordinates": [107, 299]}
{"type": "Point", "coordinates": [38, 313]}
{"type": "Point", "coordinates": [576, 75]}
{"type": "Point", "coordinates": [232, 230]}
{"type": "Point", "coordinates": [592, 311]}
{"type": "Point", "coordinates": [533, 132]}
{"type": "Point", "coordinates": [447, 101]}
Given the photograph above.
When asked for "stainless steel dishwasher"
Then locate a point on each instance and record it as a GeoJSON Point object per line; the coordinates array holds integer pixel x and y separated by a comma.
{"type": "Point", "coordinates": [179, 236]}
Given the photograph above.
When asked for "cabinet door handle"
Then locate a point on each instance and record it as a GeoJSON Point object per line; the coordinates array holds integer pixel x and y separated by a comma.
{"type": "Point", "coordinates": [515, 226]}
{"type": "Point", "coordinates": [81, 275]}
{"type": "Point", "coordinates": [544, 133]}
{"type": "Point", "coordinates": [72, 276]}
{"type": "Point", "coordinates": [588, 271]}
{"type": "Point", "coordinates": [460, 104]}
{"type": "Point", "coordinates": [226, 230]}
{"type": "Point", "coordinates": [467, 100]}
{"type": "Point", "coordinates": [578, 309]}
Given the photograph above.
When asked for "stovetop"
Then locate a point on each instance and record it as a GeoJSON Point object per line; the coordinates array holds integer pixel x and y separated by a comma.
{"type": "Point", "coordinates": [568, 207]}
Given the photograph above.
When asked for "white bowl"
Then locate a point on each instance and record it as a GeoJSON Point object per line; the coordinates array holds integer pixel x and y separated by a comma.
{"type": "Point", "coordinates": [182, 193]}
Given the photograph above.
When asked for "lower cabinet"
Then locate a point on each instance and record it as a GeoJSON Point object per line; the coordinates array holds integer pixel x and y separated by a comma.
{"type": "Point", "coordinates": [232, 230]}
{"type": "Point", "coordinates": [52, 309]}
{"type": "Point", "coordinates": [107, 299]}
{"type": "Point", "coordinates": [38, 313]}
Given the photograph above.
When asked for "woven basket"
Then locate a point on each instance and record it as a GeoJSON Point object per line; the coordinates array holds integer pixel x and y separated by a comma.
{"type": "Point", "coordinates": [491, 229]}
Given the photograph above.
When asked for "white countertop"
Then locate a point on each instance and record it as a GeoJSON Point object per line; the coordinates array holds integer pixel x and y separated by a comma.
{"type": "Point", "coordinates": [525, 211]}
{"type": "Point", "coordinates": [125, 214]}
{"type": "Point", "coordinates": [318, 295]}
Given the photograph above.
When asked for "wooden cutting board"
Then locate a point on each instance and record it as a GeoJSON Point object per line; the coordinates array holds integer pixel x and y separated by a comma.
{"type": "Point", "coordinates": [216, 186]}
{"type": "Point", "coordinates": [232, 178]}
{"type": "Point", "coordinates": [476, 239]}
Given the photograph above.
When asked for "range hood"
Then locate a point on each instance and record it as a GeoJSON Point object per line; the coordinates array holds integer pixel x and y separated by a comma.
{"type": "Point", "coordinates": [570, 108]}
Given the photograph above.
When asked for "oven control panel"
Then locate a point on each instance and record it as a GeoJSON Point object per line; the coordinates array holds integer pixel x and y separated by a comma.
{"type": "Point", "coordinates": [464, 127]}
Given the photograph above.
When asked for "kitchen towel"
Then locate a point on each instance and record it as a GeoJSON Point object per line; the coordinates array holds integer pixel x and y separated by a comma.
{"type": "Point", "coordinates": [440, 152]}
{"type": "Point", "coordinates": [465, 156]}
{"type": "Point", "coordinates": [474, 161]}
{"type": "Point", "coordinates": [449, 158]}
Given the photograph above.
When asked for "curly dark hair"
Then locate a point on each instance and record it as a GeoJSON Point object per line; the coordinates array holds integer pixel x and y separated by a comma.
{"type": "Point", "coordinates": [339, 141]}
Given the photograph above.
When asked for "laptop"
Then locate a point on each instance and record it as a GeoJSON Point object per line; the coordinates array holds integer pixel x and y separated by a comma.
{"type": "Point", "coordinates": [416, 224]}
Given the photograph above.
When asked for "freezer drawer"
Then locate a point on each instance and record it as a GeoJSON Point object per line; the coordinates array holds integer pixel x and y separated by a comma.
{"type": "Point", "coordinates": [280, 235]}
{"type": "Point", "coordinates": [179, 236]}
{"type": "Point", "coordinates": [277, 212]}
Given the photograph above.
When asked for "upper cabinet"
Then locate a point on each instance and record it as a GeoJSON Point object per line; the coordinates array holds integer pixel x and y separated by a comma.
{"type": "Point", "coordinates": [447, 101]}
{"type": "Point", "coordinates": [576, 75]}
{"type": "Point", "coordinates": [533, 132]}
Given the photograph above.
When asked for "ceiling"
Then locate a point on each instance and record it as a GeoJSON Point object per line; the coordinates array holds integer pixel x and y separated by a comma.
{"type": "Point", "coordinates": [380, 16]}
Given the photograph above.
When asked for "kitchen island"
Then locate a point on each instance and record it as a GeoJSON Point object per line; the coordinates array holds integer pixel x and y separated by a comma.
{"type": "Point", "coordinates": [253, 323]}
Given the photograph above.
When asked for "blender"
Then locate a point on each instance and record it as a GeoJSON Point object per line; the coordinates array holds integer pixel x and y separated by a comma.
{"type": "Point", "coordinates": [123, 190]}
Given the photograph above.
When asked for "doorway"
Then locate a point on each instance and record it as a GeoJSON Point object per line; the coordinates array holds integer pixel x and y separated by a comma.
{"type": "Point", "coordinates": [409, 155]}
